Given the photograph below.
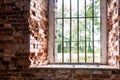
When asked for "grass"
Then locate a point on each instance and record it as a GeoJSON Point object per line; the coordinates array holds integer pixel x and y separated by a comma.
{"type": "Point", "coordinates": [74, 58]}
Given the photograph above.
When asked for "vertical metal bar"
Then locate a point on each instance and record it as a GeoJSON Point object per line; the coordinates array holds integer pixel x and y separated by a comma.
{"type": "Point", "coordinates": [62, 31]}
{"type": "Point", "coordinates": [93, 30]}
{"type": "Point", "coordinates": [70, 27]}
{"type": "Point", "coordinates": [78, 30]}
{"type": "Point", "coordinates": [85, 35]}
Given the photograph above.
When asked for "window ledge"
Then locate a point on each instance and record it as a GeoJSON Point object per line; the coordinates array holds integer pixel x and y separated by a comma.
{"type": "Point", "coordinates": [54, 66]}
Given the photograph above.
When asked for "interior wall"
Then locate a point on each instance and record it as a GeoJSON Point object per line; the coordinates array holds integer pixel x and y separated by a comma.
{"type": "Point", "coordinates": [14, 33]}
{"type": "Point", "coordinates": [113, 32]}
{"type": "Point", "coordinates": [38, 24]}
{"type": "Point", "coordinates": [15, 47]}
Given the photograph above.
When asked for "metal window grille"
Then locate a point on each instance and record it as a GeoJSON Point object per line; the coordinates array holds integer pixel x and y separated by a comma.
{"type": "Point", "coordinates": [77, 31]}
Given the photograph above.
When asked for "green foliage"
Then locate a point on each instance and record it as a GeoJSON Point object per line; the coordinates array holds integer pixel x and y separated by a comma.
{"type": "Point", "coordinates": [82, 27]}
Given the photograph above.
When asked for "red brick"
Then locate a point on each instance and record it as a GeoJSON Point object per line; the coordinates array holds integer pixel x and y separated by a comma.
{"type": "Point", "coordinates": [99, 76]}
{"type": "Point", "coordinates": [82, 76]}
{"type": "Point", "coordinates": [8, 8]}
{"type": "Point", "coordinates": [7, 1]}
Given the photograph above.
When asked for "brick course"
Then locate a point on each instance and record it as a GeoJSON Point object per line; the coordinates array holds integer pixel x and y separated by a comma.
{"type": "Point", "coordinates": [18, 18]}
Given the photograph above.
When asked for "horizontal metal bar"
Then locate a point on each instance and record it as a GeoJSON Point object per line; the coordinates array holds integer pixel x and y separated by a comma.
{"type": "Point", "coordinates": [76, 17]}
{"type": "Point", "coordinates": [79, 41]}
{"type": "Point", "coordinates": [80, 63]}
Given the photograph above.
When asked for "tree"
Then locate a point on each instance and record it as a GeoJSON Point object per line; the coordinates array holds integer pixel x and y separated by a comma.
{"type": "Point", "coordinates": [82, 26]}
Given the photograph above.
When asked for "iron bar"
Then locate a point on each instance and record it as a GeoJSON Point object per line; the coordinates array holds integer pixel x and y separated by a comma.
{"type": "Point", "coordinates": [76, 17]}
{"type": "Point", "coordinates": [78, 30]}
{"type": "Point", "coordinates": [62, 31]}
{"type": "Point", "coordinates": [85, 36]}
{"type": "Point", "coordinates": [93, 30]}
{"type": "Point", "coordinates": [70, 27]}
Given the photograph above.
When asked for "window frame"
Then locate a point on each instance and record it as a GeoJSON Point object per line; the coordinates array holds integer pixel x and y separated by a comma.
{"type": "Point", "coordinates": [103, 24]}
{"type": "Point", "coordinates": [103, 36]}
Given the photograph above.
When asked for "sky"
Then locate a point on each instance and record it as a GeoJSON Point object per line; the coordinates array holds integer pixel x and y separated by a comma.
{"type": "Point", "coordinates": [74, 3]}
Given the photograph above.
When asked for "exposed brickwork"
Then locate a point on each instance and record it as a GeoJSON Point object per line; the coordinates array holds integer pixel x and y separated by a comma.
{"type": "Point", "coordinates": [16, 18]}
{"type": "Point", "coordinates": [39, 32]}
{"type": "Point", "coordinates": [23, 30]}
{"type": "Point", "coordinates": [14, 32]}
{"type": "Point", "coordinates": [59, 74]}
{"type": "Point", "coordinates": [113, 32]}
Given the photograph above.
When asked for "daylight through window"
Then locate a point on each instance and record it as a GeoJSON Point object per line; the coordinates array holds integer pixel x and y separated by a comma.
{"type": "Point", "coordinates": [77, 31]}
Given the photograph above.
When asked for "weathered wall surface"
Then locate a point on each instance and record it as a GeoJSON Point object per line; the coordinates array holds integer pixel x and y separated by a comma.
{"type": "Point", "coordinates": [23, 32]}
{"type": "Point", "coordinates": [39, 32]}
{"type": "Point", "coordinates": [14, 33]}
{"type": "Point", "coordinates": [59, 74]}
{"type": "Point", "coordinates": [113, 32]}
{"type": "Point", "coordinates": [23, 22]}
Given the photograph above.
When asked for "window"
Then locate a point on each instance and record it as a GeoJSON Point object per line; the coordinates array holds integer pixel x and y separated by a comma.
{"type": "Point", "coordinates": [77, 31]}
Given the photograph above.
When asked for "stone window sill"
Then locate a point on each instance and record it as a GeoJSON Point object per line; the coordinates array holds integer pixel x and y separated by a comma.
{"type": "Point", "coordinates": [59, 66]}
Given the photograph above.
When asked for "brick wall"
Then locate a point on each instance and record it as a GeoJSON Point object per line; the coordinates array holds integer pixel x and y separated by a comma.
{"type": "Point", "coordinates": [59, 74]}
{"type": "Point", "coordinates": [14, 33]}
{"type": "Point", "coordinates": [39, 32]}
{"type": "Point", "coordinates": [19, 24]}
{"type": "Point", "coordinates": [113, 32]}
{"type": "Point", "coordinates": [23, 30]}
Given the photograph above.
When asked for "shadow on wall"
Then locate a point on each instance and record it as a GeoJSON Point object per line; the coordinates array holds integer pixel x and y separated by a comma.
{"type": "Point", "coordinates": [14, 33]}
{"type": "Point", "coordinates": [23, 31]}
